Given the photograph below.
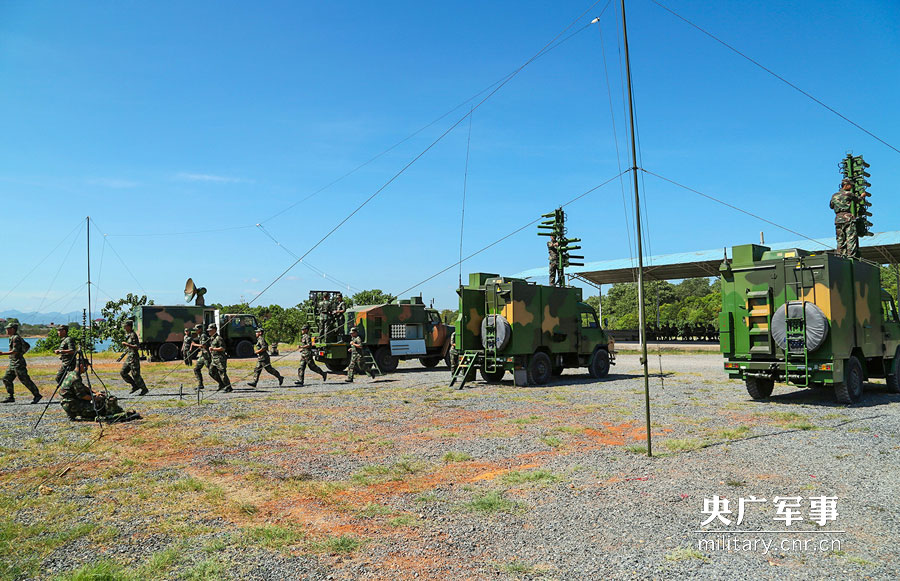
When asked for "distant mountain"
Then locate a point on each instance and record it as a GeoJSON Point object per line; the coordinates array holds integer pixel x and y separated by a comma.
{"type": "Point", "coordinates": [42, 318]}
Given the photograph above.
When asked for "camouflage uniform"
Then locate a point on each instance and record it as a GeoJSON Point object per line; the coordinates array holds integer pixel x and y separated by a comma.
{"type": "Point", "coordinates": [263, 363]}
{"type": "Point", "coordinates": [201, 343]}
{"type": "Point", "coordinates": [306, 358]}
{"type": "Point", "coordinates": [553, 257]}
{"type": "Point", "coordinates": [186, 348]}
{"type": "Point", "coordinates": [67, 360]}
{"type": "Point", "coordinates": [356, 359]}
{"type": "Point", "coordinates": [324, 316]}
{"type": "Point", "coordinates": [845, 223]}
{"type": "Point", "coordinates": [18, 368]}
{"type": "Point", "coordinates": [454, 354]}
{"type": "Point", "coordinates": [131, 368]}
{"type": "Point", "coordinates": [77, 402]}
{"type": "Point", "coordinates": [218, 368]}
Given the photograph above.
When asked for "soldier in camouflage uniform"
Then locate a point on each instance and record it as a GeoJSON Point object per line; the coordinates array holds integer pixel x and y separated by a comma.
{"type": "Point", "coordinates": [79, 401]}
{"type": "Point", "coordinates": [66, 353]}
{"type": "Point", "coordinates": [553, 257]}
{"type": "Point", "coordinates": [324, 307]}
{"type": "Point", "coordinates": [201, 344]}
{"type": "Point", "coordinates": [306, 358]}
{"type": "Point", "coordinates": [17, 366]}
{"type": "Point", "coordinates": [218, 368]}
{"type": "Point", "coordinates": [187, 351]}
{"type": "Point", "coordinates": [844, 221]}
{"type": "Point", "coordinates": [454, 354]}
{"type": "Point", "coordinates": [337, 313]}
{"type": "Point", "coordinates": [262, 360]}
{"type": "Point", "coordinates": [356, 358]}
{"type": "Point", "coordinates": [131, 368]}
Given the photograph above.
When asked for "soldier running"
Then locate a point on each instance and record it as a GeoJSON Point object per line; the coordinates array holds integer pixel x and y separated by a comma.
{"type": "Point", "coordinates": [306, 357]}
{"type": "Point", "coordinates": [17, 366]}
{"type": "Point", "coordinates": [844, 221]}
{"type": "Point", "coordinates": [66, 352]}
{"type": "Point", "coordinates": [553, 256]}
{"type": "Point", "coordinates": [131, 368]}
{"type": "Point", "coordinates": [262, 360]}
{"type": "Point", "coordinates": [356, 358]}
{"type": "Point", "coordinates": [187, 352]}
{"type": "Point", "coordinates": [218, 368]}
{"type": "Point", "coordinates": [201, 344]}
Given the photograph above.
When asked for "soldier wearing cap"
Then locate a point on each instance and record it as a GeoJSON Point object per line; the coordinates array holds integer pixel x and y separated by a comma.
{"type": "Point", "coordinates": [262, 360]}
{"type": "Point", "coordinates": [66, 353]}
{"type": "Point", "coordinates": [187, 352]}
{"type": "Point", "coordinates": [553, 257]}
{"type": "Point", "coordinates": [356, 358]}
{"type": "Point", "coordinates": [17, 366]}
{"type": "Point", "coordinates": [201, 345]}
{"type": "Point", "coordinates": [79, 401]}
{"type": "Point", "coordinates": [131, 368]}
{"type": "Point", "coordinates": [306, 358]}
{"type": "Point", "coordinates": [218, 368]}
{"type": "Point", "coordinates": [844, 221]}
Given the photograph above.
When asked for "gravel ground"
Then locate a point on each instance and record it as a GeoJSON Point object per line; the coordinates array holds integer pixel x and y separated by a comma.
{"type": "Point", "coordinates": [491, 481]}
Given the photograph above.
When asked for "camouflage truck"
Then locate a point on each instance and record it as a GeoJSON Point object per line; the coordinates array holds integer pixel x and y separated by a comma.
{"type": "Point", "coordinates": [807, 319]}
{"type": "Point", "coordinates": [392, 332]}
{"type": "Point", "coordinates": [161, 329]}
{"type": "Point", "coordinates": [531, 330]}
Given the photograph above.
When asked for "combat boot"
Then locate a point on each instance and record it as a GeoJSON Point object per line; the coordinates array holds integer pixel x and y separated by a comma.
{"type": "Point", "coordinates": [324, 376]}
{"type": "Point", "coordinates": [135, 389]}
{"type": "Point", "coordinates": [38, 397]}
{"type": "Point", "coordinates": [9, 399]}
{"type": "Point", "coordinates": [280, 380]}
{"type": "Point", "coordinates": [229, 389]}
{"type": "Point", "coordinates": [348, 380]}
{"type": "Point", "coordinates": [144, 391]}
{"type": "Point", "coordinates": [251, 383]}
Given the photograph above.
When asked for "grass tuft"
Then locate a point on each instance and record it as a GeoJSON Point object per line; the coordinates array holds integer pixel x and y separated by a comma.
{"type": "Point", "coordinates": [530, 476]}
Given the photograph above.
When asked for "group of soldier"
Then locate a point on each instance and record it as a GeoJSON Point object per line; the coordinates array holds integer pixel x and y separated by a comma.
{"type": "Point", "coordinates": [683, 332]}
{"type": "Point", "coordinates": [331, 310]}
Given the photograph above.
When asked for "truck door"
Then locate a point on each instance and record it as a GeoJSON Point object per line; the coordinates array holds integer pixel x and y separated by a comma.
{"type": "Point", "coordinates": [891, 323]}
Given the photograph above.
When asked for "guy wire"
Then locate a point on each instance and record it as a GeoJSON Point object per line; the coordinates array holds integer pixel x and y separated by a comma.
{"type": "Point", "coordinates": [462, 218]}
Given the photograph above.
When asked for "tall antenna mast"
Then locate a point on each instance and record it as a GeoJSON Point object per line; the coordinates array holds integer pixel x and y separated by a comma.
{"type": "Point", "coordinates": [90, 320]}
{"type": "Point", "coordinates": [640, 250]}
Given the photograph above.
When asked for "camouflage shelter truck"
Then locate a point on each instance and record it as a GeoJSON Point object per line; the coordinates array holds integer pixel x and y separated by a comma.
{"type": "Point", "coordinates": [161, 329]}
{"type": "Point", "coordinates": [807, 319]}
{"type": "Point", "coordinates": [531, 330]}
{"type": "Point", "coordinates": [392, 332]}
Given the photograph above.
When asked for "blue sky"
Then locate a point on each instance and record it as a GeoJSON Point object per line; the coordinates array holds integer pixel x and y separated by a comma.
{"type": "Point", "coordinates": [162, 120]}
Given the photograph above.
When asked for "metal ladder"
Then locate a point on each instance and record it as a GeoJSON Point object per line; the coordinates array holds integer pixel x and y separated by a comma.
{"type": "Point", "coordinates": [369, 359]}
{"type": "Point", "coordinates": [468, 361]}
{"type": "Point", "coordinates": [796, 354]}
{"type": "Point", "coordinates": [490, 345]}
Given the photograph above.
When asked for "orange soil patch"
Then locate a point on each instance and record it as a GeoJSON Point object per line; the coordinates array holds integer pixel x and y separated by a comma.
{"type": "Point", "coordinates": [620, 434]}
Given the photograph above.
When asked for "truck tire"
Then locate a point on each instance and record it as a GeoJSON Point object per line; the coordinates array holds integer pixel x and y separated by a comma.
{"type": "Point", "coordinates": [893, 378]}
{"type": "Point", "coordinates": [492, 377]}
{"type": "Point", "coordinates": [387, 363]}
{"type": "Point", "coordinates": [850, 390]}
{"type": "Point", "coordinates": [244, 349]}
{"type": "Point", "coordinates": [816, 324]}
{"type": "Point", "coordinates": [168, 352]}
{"type": "Point", "coordinates": [539, 369]}
{"type": "Point", "coordinates": [430, 362]}
{"type": "Point", "coordinates": [759, 388]}
{"type": "Point", "coordinates": [598, 367]}
{"type": "Point", "coordinates": [502, 331]}
{"type": "Point", "coordinates": [336, 365]}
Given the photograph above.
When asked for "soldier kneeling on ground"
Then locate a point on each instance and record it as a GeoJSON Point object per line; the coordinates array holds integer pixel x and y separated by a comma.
{"type": "Point", "coordinates": [80, 402]}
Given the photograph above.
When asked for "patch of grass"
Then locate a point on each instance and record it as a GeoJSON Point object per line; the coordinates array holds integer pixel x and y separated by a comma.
{"type": "Point", "coordinates": [404, 520]}
{"type": "Point", "coordinates": [785, 416]}
{"type": "Point", "coordinates": [214, 546]}
{"type": "Point", "coordinates": [858, 560]}
{"type": "Point", "coordinates": [372, 510]}
{"type": "Point", "coordinates": [682, 444]}
{"type": "Point", "coordinates": [802, 425]}
{"type": "Point", "coordinates": [378, 473]}
{"type": "Point", "coordinates": [636, 448]}
{"type": "Point", "coordinates": [209, 570]}
{"type": "Point", "coordinates": [428, 497]}
{"type": "Point", "coordinates": [551, 441]}
{"type": "Point", "coordinates": [456, 457]}
{"type": "Point", "coordinates": [491, 502]}
{"type": "Point", "coordinates": [685, 553]}
{"type": "Point", "coordinates": [189, 484]}
{"type": "Point", "coordinates": [732, 433]}
{"type": "Point", "coordinates": [97, 571]}
{"type": "Point", "coordinates": [834, 416]}
{"type": "Point", "coordinates": [523, 421]}
{"type": "Point", "coordinates": [337, 545]}
{"type": "Point", "coordinates": [247, 508]}
{"type": "Point", "coordinates": [570, 429]}
{"type": "Point", "coordinates": [530, 476]}
{"type": "Point", "coordinates": [735, 483]}
{"type": "Point", "coordinates": [272, 536]}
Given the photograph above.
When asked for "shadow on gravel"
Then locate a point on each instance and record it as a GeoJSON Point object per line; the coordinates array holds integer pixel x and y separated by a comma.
{"type": "Point", "coordinates": [873, 395]}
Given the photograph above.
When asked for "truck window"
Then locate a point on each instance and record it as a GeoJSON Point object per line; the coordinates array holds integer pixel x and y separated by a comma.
{"type": "Point", "coordinates": [589, 321]}
{"type": "Point", "coordinates": [890, 311]}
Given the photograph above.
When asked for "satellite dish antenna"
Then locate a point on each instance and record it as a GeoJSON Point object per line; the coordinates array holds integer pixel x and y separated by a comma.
{"type": "Point", "coordinates": [192, 292]}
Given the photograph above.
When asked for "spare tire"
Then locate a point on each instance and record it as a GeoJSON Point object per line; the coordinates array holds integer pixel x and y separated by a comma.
{"type": "Point", "coordinates": [503, 332]}
{"type": "Point", "coordinates": [816, 324]}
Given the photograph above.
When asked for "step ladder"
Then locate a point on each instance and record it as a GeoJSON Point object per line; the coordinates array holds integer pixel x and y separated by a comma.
{"type": "Point", "coordinates": [467, 362]}
{"type": "Point", "coordinates": [369, 360]}
{"type": "Point", "coordinates": [796, 353]}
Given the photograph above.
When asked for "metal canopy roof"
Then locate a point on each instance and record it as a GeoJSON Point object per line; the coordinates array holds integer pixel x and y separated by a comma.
{"type": "Point", "coordinates": [883, 248]}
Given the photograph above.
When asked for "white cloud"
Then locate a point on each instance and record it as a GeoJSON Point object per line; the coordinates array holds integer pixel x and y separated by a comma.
{"type": "Point", "coordinates": [254, 279]}
{"type": "Point", "coordinates": [205, 177]}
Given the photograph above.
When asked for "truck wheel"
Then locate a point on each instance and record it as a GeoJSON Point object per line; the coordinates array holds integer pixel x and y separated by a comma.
{"type": "Point", "coordinates": [850, 390]}
{"type": "Point", "coordinates": [893, 379]}
{"type": "Point", "coordinates": [243, 349]}
{"type": "Point", "coordinates": [759, 388]}
{"type": "Point", "coordinates": [430, 362]}
{"type": "Point", "coordinates": [598, 367]}
{"type": "Point", "coordinates": [539, 369]}
{"type": "Point", "coordinates": [336, 365]}
{"type": "Point", "coordinates": [387, 363]}
{"type": "Point", "coordinates": [168, 352]}
{"type": "Point", "coordinates": [492, 377]}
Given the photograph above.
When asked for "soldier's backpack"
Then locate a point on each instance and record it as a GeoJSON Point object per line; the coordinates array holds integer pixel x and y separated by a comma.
{"type": "Point", "coordinates": [27, 346]}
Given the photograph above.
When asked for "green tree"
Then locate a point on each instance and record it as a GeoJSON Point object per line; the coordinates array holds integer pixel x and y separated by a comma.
{"type": "Point", "coordinates": [369, 297]}
{"type": "Point", "coordinates": [449, 315]}
{"type": "Point", "coordinates": [114, 314]}
{"type": "Point", "coordinates": [52, 340]}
